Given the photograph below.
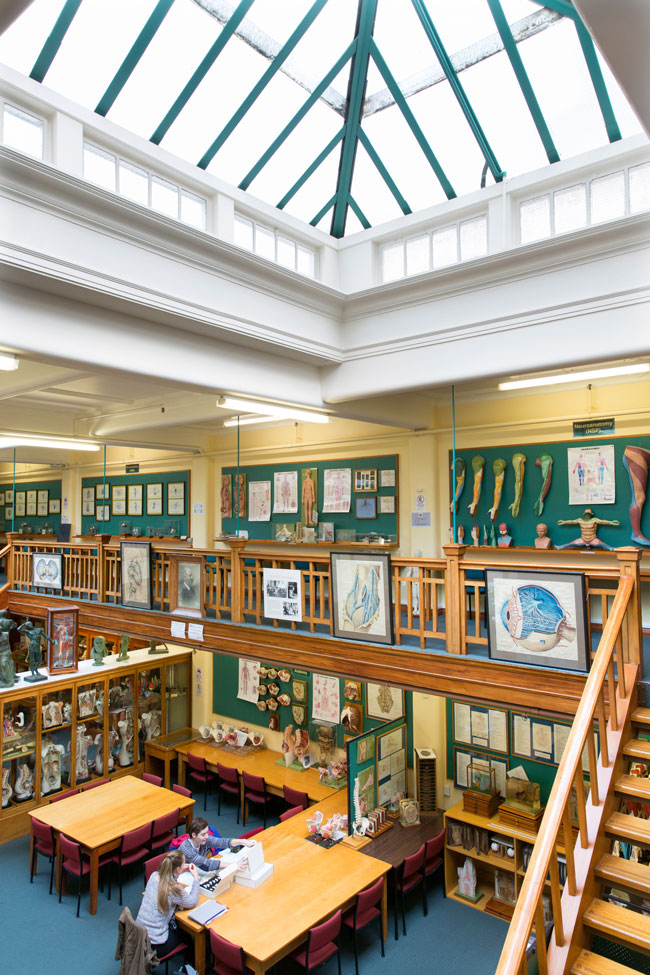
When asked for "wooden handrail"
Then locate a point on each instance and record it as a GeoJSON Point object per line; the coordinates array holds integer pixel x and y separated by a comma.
{"type": "Point", "coordinates": [514, 948]}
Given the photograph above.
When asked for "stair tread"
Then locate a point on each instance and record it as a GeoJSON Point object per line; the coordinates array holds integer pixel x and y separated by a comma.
{"type": "Point", "coordinates": [627, 873]}
{"type": "Point", "coordinates": [619, 923]}
{"type": "Point", "coordinates": [641, 715]}
{"type": "Point", "coordinates": [637, 748]}
{"type": "Point", "coordinates": [629, 828]}
{"type": "Point", "coordinates": [633, 785]}
{"type": "Point", "coordinates": [588, 963]}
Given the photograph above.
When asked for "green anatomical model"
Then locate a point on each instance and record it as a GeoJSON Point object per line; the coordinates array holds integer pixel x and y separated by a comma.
{"type": "Point", "coordinates": [478, 466]}
{"type": "Point", "coordinates": [499, 469]}
{"type": "Point", "coordinates": [460, 482]}
{"type": "Point", "coordinates": [545, 463]}
{"type": "Point", "coordinates": [519, 464]}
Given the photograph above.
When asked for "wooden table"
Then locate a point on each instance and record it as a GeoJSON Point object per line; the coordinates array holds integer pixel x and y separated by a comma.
{"type": "Point", "coordinates": [308, 884]}
{"type": "Point", "coordinates": [260, 761]}
{"type": "Point", "coordinates": [100, 817]}
{"type": "Point", "coordinates": [164, 748]}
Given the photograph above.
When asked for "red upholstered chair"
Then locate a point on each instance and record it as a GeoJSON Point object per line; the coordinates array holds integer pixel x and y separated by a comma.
{"type": "Point", "coordinates": [293, 797]}
{"type": "Point", "coordinates": [181, 790]}
{"type": "Point", "coordinates": [198, 772]}
{"type": "Point", "coordinates": [152, 865]}
{"type": "Point", "coordinates": [133, 849]}
{"type": "Point", "coordinates": [170, 954]}
{"type": "Point", "coordinates": [365, 910]}
{"type": "Point", "coordinates": [152, 779]}
{"type": "Point", "coordinates": [410, 873]}
{"type": "Point", "coordinates": [290, 812]}
{"type": "Point", "coordinates": [74, 863]}
{"type": "Point", "coordinates": [228, 784]}
{"type": "Point", "coordinates": [228, 958]}
{"type": "Point", "coordinates": [251, 833]}
{"type": "Point", "coordinates": [94, 784]}
{"type": "Point", "coordinates": [43, 842]}
{"type": "Point", "coordinates": [433, 859]}
{"type": "Point", "coordinates": [163, 831]}
{"type": "Point", "coordinates": [64, 795]}
{"type": "Point", "coordinates": [255, 792]}
{"type": "Point", "coordinates": [322, 942]}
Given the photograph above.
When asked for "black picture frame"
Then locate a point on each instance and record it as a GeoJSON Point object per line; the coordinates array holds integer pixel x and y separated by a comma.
{"type": "Point", "coordinates": [368, 621]}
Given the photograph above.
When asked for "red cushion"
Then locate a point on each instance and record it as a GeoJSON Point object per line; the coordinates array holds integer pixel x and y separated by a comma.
{"type": "Point", "coordinates": [362, 919]}
{"type": "Point", "coordinates": [316, 957]}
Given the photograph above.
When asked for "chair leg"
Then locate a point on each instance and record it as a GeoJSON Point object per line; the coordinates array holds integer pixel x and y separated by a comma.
{"type": "Point", "coordinates": [381, 936]}
{"type": "Point", "coordinates": [356, 951]}
{"type": "Point", "coordinates": [219, 803]}
{"type": "Point", "coordinates": [205, 796]}
{"type": "Point", "coordinates": [52, 859]}
{"type": "Point", "coordinates": [32, 866]}
{"type": "Point", "coordinates": [78, 893]}
{"type": "Point", "coordinates": [395, 912]}
{"type": "Point", "coordinates": [403, 913]}
{"type": "Point", "coordinates": [338, 952]}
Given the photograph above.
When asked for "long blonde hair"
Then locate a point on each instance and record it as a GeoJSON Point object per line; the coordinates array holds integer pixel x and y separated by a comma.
{"type": "Point", "coordinates": [166, 882]}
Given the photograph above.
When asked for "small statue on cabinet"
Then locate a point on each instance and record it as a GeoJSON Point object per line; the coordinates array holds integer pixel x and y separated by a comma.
{"type": "Point", "coordinates": [7, 669]}
{"type": "Point", "coordinates": [505, 540]}
{"type": "Point", "coordinates": [588, 528]}
{"type": "Point", "coordinates": [542, 540]}
{"type": "Point", "coordinates": [124, 648]}
{"type": "Point", "coordinates": [99, 651]}
{"type": "Point", "coordinates": [35, 634]}
{"type": "Point", "coordinates": [476, 536]}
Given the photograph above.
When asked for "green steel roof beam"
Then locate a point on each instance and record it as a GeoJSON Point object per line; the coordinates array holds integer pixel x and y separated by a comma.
{"type": "Point", "coordinates": [524, 82]}
{"type": "Point", "coordinates": [365, 223]}
{"type": "Point", "coordinates": [227, 31]}
{"type": "Point", "coordinates": [457, 88]}
{"type": "Point", "coordinates": [321, 213]}
{"type": "Point", "coordinates": [410, 119]}
{"type": "Point", "coordinates": [366, 13]}
{"type": "Point", "coordinates": [272, 69]}
{"type": "Point", "coordinates": [321, 157]}
{"type": "Point", "coordinates": [53, 42]}
{"type": "Point", "coordinates": [298, 117]}
{"type": "Point", "coordinates": [140, 45]}
{"type": "Point", "coordinates": [383, 172]}
{"type": "Point", "coordinates": [593, 66]}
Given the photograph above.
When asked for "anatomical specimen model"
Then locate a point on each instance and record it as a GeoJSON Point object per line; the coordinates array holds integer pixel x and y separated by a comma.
{"type": "Point", "coordinates": [460, 482]}
{"type": "Point", "coordinates": [545, 463]}
{"type": "Point", "coordinates": [478, 466]}
{"type": "Point", "coordinates": [499, 470]}
{"type": "Point", "coordinates": [519, 464]}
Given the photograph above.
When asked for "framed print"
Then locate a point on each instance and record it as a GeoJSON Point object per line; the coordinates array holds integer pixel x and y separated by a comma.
{"type": "Point", "coordinates": [88, 508]}
{"type": "Point", "coordinates": [176, 506]}
{"type": "Point", "coordinates": [365, 480]}
{"type": "Point", "coordinates": [337, 489]}
{"type": "Point", "coordinates": [299, 714]}
{"type": "Point", "coordinates": [462, 759]}
{"type": "Point", "coordinates": [19, 497]}
{"type": "Point", "coordinates": [387, 478]}
{"type": "Point", "coordinates": [176, 498]}
{"type": "Point", "coordinates": [300, 691]}
{"type": "Point", "coordinates": [102, 513]}
{"type": "Point", "coordinates": [285, 493]}
{"type": "Point", "coordinates": [47, 570]}
{"type": "Point", "coordinates": [176, 489]}
{"type": "Point", "coordinates": [384, 702]}
{"type": "Point", "coordinates": [135, 492]}
{"type": "Point", "coordinates": [43, 497]}
{"type": "Point", "coordinates": [9, 496]}
{"type": "Point", "coordinates": [9, 512]}
{"type": "Point", "coordinates": [134, 506]}
{"type": "Point", "coordinates": [19, 509]}
{"type": "Point", "coordinates": [62, 653]}
{"type": "Point", "coordinates": [30, 508]}
{"type": "Point", "coordinates": [538, 618]}
{"type": "Point", "coordinates": [352, 690]}
{"type": "Point", "coordinates": [87, 494]}
{"type": "Point", "coordinates": [102, 492]}
{"type": "Point", "coordinates": [118, 505]}
{"type": "Point", "coordinates": [282, 594]}
{"type": "Point", "coordinates": [186, 584]}
{"type": "Point", "coordinates": [31, 497]}
{"type": "Point", "coordinates": [41, 509]}
{"type": "Point", "coordinates": [352, 718]}
{"type": "Point", "coordinates": [154, 506]}
{"type": "Point", "coordinates": [54, 505]}
{"type": "Point", "coordinates": [226, 496]}
{"type": "Point", "coordinates": [119, 492]}
{"type": "Point", "coordinates": [362, 606]}
{"type": "Point", "coordinates": [135, 558]}
{"type": "Point", "coordinates": [365, 508]}
{"type": "Point", "coordinates": [387, 504]}
{"type": "Point", "coordinates": [2, 497]}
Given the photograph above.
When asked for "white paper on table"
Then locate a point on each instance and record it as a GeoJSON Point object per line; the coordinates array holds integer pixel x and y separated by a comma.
{"type": "Point", "coordinates": [498, 730]}
{"type": "Point", "coordinates": [461, 723]}
{"type": "Point", "coordinates": [521, 732]}
{"type": "Point", "coordinates": [178, 629]}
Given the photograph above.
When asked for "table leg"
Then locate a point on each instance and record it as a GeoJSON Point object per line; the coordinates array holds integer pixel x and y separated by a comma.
{"type": "Point", "coordinates": [147, 762]}
{"type": "Point", "coordinates": [168, 763]}
{"type": "Point", "coordinates": [181, 769]}
{"type": "Point", "coordinates": [393, 876]}
{"type": "Point", "coordinates": [384, 910]}
{"type": "Point", "coordinates": [94, 875]}
{"type": "Point", "coordinates": [199, 951]}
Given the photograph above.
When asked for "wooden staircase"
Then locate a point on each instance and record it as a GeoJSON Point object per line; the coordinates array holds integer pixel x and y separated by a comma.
{"type": "Point", "coordinates": [612, 922]}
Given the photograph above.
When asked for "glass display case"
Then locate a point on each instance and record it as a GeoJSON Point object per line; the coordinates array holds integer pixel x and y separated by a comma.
{"type": "Point", "coordinates": [120, 727]}
{"type": "Point", "coordinates": [149, 706]}
{"type": "Point", "coordinates": [19, 751]}
{"type": "Point", "coordinates": [56, 739]}
{"type": "Point", "coordinates": [90, 747]}
{"type": "Point", "coordinates": [177, 694]}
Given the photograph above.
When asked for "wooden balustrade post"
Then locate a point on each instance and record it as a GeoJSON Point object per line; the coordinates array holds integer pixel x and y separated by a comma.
{"type": "Point", "coordinates": [236, 546]}
{"type": "Point", "coordinates": [101, 568]}
{"type": "Point", "coordinates": [11, 539]}
{"type": "Point", "coordinates": [629, 565]}
{"type": "Point", "coordinates": [454, 598]}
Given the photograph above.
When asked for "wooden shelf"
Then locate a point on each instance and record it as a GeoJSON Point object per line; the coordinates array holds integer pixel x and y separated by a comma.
{"type": "Point", "coordinates": [487, 892]}
{"type": "Point", "coordinates": [501, 863]}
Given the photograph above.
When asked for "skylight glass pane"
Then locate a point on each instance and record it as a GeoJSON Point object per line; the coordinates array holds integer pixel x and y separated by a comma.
{"type": "Point", "coordinates": [608, 198]}
{"type": "Point", "coordinates": [243, 232]}
{"type": "Point", "coordinates": [445, 247]}
{"type": "Point", "coordinates": [286, 252]}
{"type": "Point", "coordinates": [473, 239]}
{"type": "Point", "coordinates": [306, 261]}
{"type": "Point", "coordinates": [23, 131]}
{"type": "Point", "coordinates": [417, 255]}
{"type": "Point", "coordinates": [133, 182]}
{"type": "Point", "coordinates": [392, 262]}
{"type": "Point", "coordinates": [22, 41]}
{"type": "Point", "coordinates": [639, 188]}
{"type": "Point", "coordinates": [264, 242]}
{"type": "Point", "coordinates": [570, 208]}
{"type": "Point", "coordinates": [193, 210]}
{"type": "Point", "coordinates": [164, 197]}
{"type": "Point", "coordinates": [99, 166]}
{"type": "Point", "coordinates": [535, 219]}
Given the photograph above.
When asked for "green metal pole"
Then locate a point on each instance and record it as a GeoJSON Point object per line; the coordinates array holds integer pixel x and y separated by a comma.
{"type": "Point", "coordinates": [453, 458]}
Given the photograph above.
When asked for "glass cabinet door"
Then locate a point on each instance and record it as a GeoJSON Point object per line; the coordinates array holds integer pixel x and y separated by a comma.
{"type": "Point", "coordinates": [19, 751]}
{"type": "Point", "coordinates": [149, 706]}
{"type": "Point", "coordinates": [90, 760]}
{"type": "Point", "coordinates": [177, 677]}
{"type": "Point", "coordinates": [56, 740]}
{"type": "Point", "coordinates": [120, 719]}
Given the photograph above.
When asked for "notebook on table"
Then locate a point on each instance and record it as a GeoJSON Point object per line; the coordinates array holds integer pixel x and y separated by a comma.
{"type": "Point", "coordinates": [207, 912]}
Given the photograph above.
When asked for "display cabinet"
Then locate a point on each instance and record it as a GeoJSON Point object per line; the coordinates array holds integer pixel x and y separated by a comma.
{"type": "Point", "coordinates": [177, 695]}
{"type": "Point", "coordinates": [56, 750]}
{"type": "Point", "coordinates": [19, 740]}
{"type": "Point", "coordinates": [93, 748]}
{"type": "Point", "coordinates": [120, 724]}
{"type": "Point", "coordinates": [149, 706]}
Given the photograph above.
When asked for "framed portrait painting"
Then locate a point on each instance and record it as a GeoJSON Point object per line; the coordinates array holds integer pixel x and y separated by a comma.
{"type": "Point", "coordinates": [62, 653]}
{"type": "Point", "coordinates": [186, 585]}
{"type": "Point", "coordinates": [538, 618]}
{"type": "Point", "coordinates": [135, 559]}
{"type": "Point", "coordinates": [362, 606]}
{"type": "Point", "coordinates": [47, 570]}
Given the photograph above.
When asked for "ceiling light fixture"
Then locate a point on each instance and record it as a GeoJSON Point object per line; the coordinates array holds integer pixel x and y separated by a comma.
{"type": "Point", "coordinates": [576, 377]}
{"type": "Point", "coordinates": [271, 410]}
{"type": "Point", "coordinates": [58, 444]}
{"type": "Point", "coordinates": [243, 421]}
{"type": "Point", "coordinates": [8, 362]}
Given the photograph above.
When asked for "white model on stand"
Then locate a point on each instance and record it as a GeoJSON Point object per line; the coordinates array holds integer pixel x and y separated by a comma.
{"type": "Point", "coordinates": [83, 743]}
{"type": "Point", "coordinates": [125, 754]}
{"type": "Point", "coordinates": [151, 723]}
{"type": "Point", "coordinates": [99, 756]}
{"type": "Point", "coordinates": [24, 782]}
{"type": "Point", "coordinates": [51, 756]}
{"type": "Point", "coordinates": [7, 791]}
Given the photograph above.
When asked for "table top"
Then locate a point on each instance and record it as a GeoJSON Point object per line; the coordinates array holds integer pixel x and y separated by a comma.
{"type": "Point", "coordinates": [401, 841]}
{"type": "Point", "coordinates": [262, 762]}
{"type": "Point", "coordinates": [105, 813]}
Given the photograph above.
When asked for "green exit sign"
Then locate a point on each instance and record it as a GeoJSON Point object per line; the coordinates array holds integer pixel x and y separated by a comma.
{"type": "Point", "coordinates": [132, 469]}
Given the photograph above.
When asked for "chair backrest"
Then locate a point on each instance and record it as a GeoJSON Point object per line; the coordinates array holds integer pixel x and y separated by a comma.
{"type": "Point", "coordinates": [294, 797]}
{"type": "Point", "coordinates": [323, 933]}
{"type": "Point", "coordinates": [434, 846]}
{"type": "Point", "coordinates": [164, 824]}
{"type": "Point", "coordinates": [64, 795]}
{"type": "Point", "coordinates": [135, 838]}
{"type": "Point", "coordinates": [94, 784]}
{"type": "Point", "coordinates": [152, 865]}
{"type": "Point", "coordinates": [43, 833]}
{"type": "Point", "coordinates": [291, 812]}
{"type": "Point", "coordinates": [227, 773]}
{"type": "Point", "coordinates": [152, 779]}
{"type": "Point", "coordinates": [181, 790]}
{"type": "Point", "coordinates": [413, 863]}
{"type": "Point", "coordinates": [369, 897]}
{"type": "Point", "coordinates": [226, 952]}
{"type": "Point", "coordinates": [196, 762]}
{"type": "Point", "coordinates": [255, 783]}
{"type": "Point", "coordinates": [252, 832]}
{"type": "Point", "coordinates": [69, 849]}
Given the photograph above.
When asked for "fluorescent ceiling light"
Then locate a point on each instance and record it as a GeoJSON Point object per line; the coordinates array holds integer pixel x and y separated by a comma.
{"type": "Point", "coordinates": [8, 362]}
{"type": "Point", "coordinates": [577, 377]}
{"type": "Point", "coordinates": [56, 444]}
{"type": "Point", "coordinates": [271, 410]}
{"type": "Point", "coordinates": [247, 420]}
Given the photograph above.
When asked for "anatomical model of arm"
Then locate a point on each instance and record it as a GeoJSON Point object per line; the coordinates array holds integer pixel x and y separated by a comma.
{"type": "Point", "coordinates": [545, 463]}
{"type": "Point", "coordinates": [460, 482]}
{"type": "Point", "coordinates": [478, 466]}
{"type": "Point", "coordinates": [519, 464]}
{"type": "Point", "coordinates": [499, 469]}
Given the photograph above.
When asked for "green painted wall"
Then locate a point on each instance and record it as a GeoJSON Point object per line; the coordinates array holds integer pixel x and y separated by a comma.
{"type": "Point", "coordinates": [144, 522]}
{"type": "Point", "coordinates": [36, 521]}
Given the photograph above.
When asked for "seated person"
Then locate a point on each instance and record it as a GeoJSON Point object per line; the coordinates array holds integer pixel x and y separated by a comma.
{"type": "Point", "coordinates": [200, 843]}
{"type": "Point", "coordinates": [163, 894]}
